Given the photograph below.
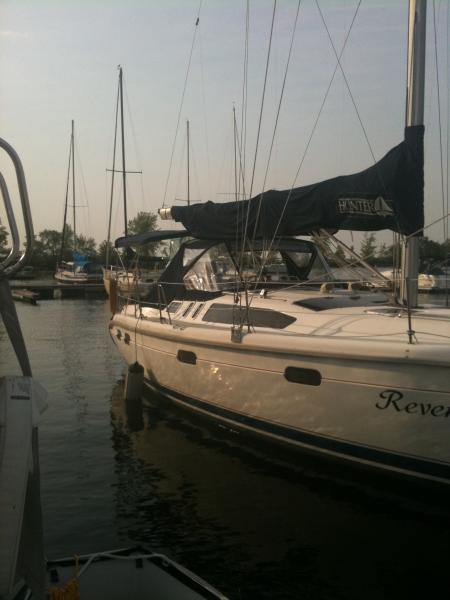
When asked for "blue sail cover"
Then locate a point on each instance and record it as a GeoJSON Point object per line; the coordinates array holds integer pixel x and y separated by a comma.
{"type": "Point", "coordinates": [387, 195]}
{"type": "Point", "coordinates": [79, 260]}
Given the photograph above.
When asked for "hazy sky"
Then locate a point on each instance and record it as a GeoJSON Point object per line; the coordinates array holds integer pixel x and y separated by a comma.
{"type": "Point", "coordinates": [58, 61]}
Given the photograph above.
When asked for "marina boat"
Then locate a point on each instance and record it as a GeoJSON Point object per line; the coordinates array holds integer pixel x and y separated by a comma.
{"type": "Point", "coordinates": [427, 282]}
{"type": "Point", "coordinates": [79, 270]}
{"type": "Point", "coordinates": [25, 573]}
{"type": "Point", "coordinates": [249, 326]}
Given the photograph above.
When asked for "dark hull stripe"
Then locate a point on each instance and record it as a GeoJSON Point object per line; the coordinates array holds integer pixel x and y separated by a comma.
{"type": "Point", "coordinates": [382, 458]}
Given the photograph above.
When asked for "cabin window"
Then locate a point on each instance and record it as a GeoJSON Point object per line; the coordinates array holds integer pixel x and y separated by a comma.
{"type": "Point", "coordinates": [319, 272]}
{"type": "Point", "coordinates": [257, 317]}
{"type": "Point", "coordinates": [190, 254]}
{"type": "Point", "coordinates": [213, 271]}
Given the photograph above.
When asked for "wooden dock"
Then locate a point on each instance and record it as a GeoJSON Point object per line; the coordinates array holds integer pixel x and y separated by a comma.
{"type": "Point", "coordinates": [53, 290]}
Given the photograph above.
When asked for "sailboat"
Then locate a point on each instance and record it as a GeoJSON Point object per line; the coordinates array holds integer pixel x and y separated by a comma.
{"type": "Point", "coordinates": [249, 325]}
{"type": "Point", "coordinates": [80, 270]}
{"type": "Point", "coordinates": [129, 281]}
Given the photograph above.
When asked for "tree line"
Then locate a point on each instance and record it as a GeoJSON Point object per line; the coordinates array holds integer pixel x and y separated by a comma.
{"type": "Point", "coordinates": [48, 250]}
{"type": "Point", "coordinates": [430, 252]}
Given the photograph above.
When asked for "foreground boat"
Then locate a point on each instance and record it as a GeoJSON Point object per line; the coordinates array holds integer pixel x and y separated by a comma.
{"type": "Point", "coordinates": [323, 368]}
{"type": "Point", "coordinates": [123, 573]}
{"type": "Point", "coordinates": [250, 326]}
{"type": "Point", "coordinates": [24, 572]}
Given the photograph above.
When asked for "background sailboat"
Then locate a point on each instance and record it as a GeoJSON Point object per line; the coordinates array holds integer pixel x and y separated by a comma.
{"type": "Point", "coordinates": [129, 280]}
{"type": "Point", "coordinates": [79, 270]}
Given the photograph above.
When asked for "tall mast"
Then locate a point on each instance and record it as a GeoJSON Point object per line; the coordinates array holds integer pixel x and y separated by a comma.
{"type": "Point", "coordinates": [414, 116]}
{"type": "Point", "coordinates": [124, 174]}
{"type": "Point", "coordinates": [73, 189]}
{"type": "Point", "coordinates": [188, 168]}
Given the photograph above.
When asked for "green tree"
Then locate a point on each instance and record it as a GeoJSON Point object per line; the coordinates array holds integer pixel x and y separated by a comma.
{"type": "Point", "coordinates": [86, 246]}
{"type": "Point", "coordinates": [385, 257]}
{"type": "Point", "coordinates": [368, 246]}
{"type": "Point", "coordinates": [430, 250]}
{"type": "Point", "coordinates": [144, 222]}
{"type": "Point", "coordinates": [101, 252]}
{"type": "Point", "coordinates": [50, 243]}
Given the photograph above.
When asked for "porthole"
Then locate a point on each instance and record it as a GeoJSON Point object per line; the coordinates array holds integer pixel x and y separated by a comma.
{"type": "Point", "coordinates": [304, 376]}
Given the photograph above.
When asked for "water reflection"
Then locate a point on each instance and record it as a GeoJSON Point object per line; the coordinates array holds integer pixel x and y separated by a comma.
{"type": "Point", "coordinates": [263, 528]}
{"type": "Point", "coordinates": [255, 522]}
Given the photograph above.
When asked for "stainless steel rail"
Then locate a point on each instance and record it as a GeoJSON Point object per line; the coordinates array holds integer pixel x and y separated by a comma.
{"type": "Point", "coordinates": [16, 259]}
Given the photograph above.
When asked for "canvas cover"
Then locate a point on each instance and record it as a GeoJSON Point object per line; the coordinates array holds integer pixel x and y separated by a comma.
{"type": "Point", "coordinates": [387, 195]}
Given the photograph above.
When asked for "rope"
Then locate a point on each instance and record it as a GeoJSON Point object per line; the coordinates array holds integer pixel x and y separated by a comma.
{"type": "Point", "coordinates": [70, 590]}
{"type": "Point", "coordinates": [182, 100]}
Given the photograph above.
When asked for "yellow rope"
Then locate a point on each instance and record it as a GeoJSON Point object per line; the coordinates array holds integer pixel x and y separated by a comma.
{"type": "Point", "coordinates": [68, 591]}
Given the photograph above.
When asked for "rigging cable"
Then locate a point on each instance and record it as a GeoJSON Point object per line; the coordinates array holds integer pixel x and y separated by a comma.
{"type": "Point", "coordinates": [63, 236]}
{"type": "Point", "coordinates": [136, 149]}
{"type": "Point", "coordinates": [338, 58]}
{"type": "Point", "coordinates": [182, 100]}
{"type": "Point", "coordinates": [312, 132]}
{"type": "Point", "coordinates": [108, 240]}
{"type": "Point", "coordinates": [245, 92]}
{"type": "Point", "coordinates": [83, 183]}
{"type": "Point", "coordinates": [439, 118]}
{"type": "Point", "coordinates": [259, 129]}
{"type": "Point", "coordinates": [205, 117]}
{"type": "Point", "coordinates": [277, 117]}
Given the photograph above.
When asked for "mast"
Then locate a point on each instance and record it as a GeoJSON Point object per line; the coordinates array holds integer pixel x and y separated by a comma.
{"type": "Point", "coordinates": [188, 168]}
{"type": "Point", "coordinates": [73, 189]}
{"type": "Point", "coordinates": [414, 116]}
{"type": "Point", "coordinates": [124, 174]}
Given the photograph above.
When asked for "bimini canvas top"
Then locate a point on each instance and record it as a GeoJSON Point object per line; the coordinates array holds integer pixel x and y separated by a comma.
{"type": "Point", "coordinates": [387, 195]}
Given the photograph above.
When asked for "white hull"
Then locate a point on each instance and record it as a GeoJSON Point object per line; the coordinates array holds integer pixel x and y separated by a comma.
{"type": "Point", "coordinates": [74, 274]}
{"type": "Point", "coordinates": [70, 277]}
{"type": "Point", "coordinates": [378, 400]}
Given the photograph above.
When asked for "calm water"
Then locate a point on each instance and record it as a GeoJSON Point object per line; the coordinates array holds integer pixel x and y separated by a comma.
{"type": "Point", "coordinates": [253, 522]}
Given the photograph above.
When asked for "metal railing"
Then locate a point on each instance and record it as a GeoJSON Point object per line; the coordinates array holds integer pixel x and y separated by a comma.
{"type": "Point", "coordinates": [16, 258]}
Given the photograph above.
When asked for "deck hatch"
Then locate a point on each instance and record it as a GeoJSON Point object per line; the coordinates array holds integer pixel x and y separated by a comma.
{"type": "Point", "coordinates": [258, 317]}
{"type": "Point", "coordinates": [343, 301]}
{"type": "Point", "coordinates": [304, 376]}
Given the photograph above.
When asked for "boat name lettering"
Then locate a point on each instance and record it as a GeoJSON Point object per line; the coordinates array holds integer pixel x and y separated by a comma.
{"type": "Point", "coordinates": [393, 399]}
{"type": "Point", "coordinates": [365, 206]}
